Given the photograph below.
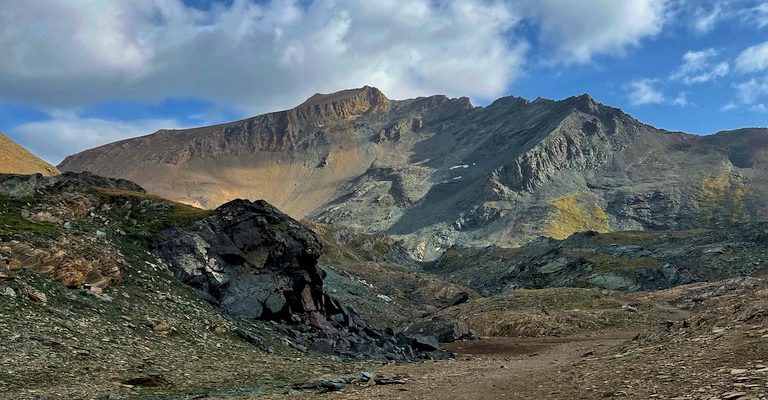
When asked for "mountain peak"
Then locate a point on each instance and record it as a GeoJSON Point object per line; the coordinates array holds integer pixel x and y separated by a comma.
{"type": "Point", "coordinates": [369, 94]}
{"type": "Point", "coordinates": [343, 104]}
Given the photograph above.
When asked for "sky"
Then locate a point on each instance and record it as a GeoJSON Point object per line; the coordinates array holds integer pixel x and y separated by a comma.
{"type": "Point", "coordinates": [76, 74]}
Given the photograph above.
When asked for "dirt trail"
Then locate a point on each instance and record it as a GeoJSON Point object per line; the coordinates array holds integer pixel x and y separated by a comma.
{"type": "Point", "coordinates": [493, 368]}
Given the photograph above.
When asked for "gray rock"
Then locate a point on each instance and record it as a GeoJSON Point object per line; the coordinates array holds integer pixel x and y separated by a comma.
{"type": "Point", "coordinates": [425, 343]}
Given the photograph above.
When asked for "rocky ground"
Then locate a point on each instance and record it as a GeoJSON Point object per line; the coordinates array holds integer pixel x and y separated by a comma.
{"type": "Point", "coordinates": [107, 292]}
{"type": "Point", "coordinates": [716, 348]}
{"type": "Point", "coordinates": [92, 307]}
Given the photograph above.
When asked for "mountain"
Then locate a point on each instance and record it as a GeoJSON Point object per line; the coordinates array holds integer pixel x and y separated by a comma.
{"type": "Point", "coordinates": [435, 171]}
{"type": "Point", "coordinates": [15, 159]}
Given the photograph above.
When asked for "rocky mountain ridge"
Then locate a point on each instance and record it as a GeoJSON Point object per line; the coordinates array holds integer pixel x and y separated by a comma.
{"type": "Point", "coordinates": [435, 171]}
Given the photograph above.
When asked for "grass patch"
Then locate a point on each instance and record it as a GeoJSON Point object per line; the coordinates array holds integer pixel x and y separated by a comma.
{"type": "Point", "coordinates": [13, 224]}
{"type": "Point", "coordinates": [576, 212]}
{"type": "Point", "coordinates": [148, 215]}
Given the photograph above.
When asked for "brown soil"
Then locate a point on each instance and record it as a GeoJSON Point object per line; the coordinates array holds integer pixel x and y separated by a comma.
{"type": "Point", "coordinates": [606, 365]}
{"type": "Point", "coordinates": [494, 368]}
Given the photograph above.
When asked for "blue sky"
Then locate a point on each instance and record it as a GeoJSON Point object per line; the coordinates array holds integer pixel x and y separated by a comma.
{"type": "Point", "coordinates": [77, 73]}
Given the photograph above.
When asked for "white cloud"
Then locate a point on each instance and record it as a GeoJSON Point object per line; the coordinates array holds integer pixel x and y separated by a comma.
{"type": "Point", "coordinates": [680, 100]}
{"type": "Point", "coordinates": [645, 91]}
{"type": "Point", "coordinates": [704, 21]}
{"type": "Point", "coordinates": [704, 16]}
{"type": "Point", "coordinates": [67, 53]}
{"type": "Point", "coordinates": [642, 91]}
{"type": "Point", "coordinates": [66, 133]}
{"type": "Point", "coordinates": [757, 15]}
{"type": "Point", "coordinates": [700, 66]}
{"type": "Point", "coordinates": [751, 91]}
{"type": "Point", "coordinates": [753, 59]}
{"type": "Point", "coordinates": [761, 108]}
{"type": "Point", "coordinates": [578, 30]}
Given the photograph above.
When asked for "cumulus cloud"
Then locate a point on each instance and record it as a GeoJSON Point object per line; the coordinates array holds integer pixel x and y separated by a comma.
{"type": "Point", "coordinates": [259, 56]}
{"type": "Point", "coordinates": [751, 91]}
{"type": "Point", "coordinates": [66, 133]}
{"type": "Point", "coordinates": [578, 30]}
{"type": "Point", "coordinates": [753, 59]}
{"type": "Point", "coordinates": [700, 66]}
{"type": "Point", "coordinates": [645, 91]}
{"type": "Point", "coordinates": [642, 91]}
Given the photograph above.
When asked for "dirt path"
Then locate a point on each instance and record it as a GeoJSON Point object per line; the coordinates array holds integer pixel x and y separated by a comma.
{"type": "Point", "coordinates": [493, 368]}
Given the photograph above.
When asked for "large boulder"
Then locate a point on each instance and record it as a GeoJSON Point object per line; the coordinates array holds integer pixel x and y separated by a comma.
{"type": "Point", "coordinates": [253, 261]}
{"type": "Point", "coordinates": [444, 330]}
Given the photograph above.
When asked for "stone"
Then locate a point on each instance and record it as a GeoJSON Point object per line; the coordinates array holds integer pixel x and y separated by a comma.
{"type": "Point", "coordinates": [163, 328]}
{"type": "Point", "coordinates": [446, 331]}
{"type": "Point", "coordinates": [38, 296]}
{"type": "Point", "coordinates": [249, 337]}
{"type": "Point", "coordinates": [324, 345]}
{"type": "Point", "coordinates": [367, 376]}
{"type": "Point", "coordinates": [9, 292]}
{"type": "Point", "coordinates": [425, 342]}
{"type": "Point", "coordinates": [459, 298]}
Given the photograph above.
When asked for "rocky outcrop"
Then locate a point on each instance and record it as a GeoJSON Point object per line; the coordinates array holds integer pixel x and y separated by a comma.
{"type": "Point", "coordinates": [583, 140]}
{"type": "Point", "coordinates": [253, 261]}
{"type": "Point", "coordinates": [69, 182]}
{"type": "Point", "coordinates": [337, 106]}
{"type": "Point", "coordinates": [625, 261]}
{"type": "Point", "coordinates": [66, 261]}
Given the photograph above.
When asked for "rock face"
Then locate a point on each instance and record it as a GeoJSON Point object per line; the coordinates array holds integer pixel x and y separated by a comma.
{"type": "Point", "coordinates": [15, 159]}
{"type": "Point", "coordinates": [253, 261]}
{"type": "Point", "coordinates": [436, 172]}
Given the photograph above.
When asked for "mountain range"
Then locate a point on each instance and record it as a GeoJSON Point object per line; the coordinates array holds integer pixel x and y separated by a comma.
{"type": "Point", "coordinates": [435, 171]}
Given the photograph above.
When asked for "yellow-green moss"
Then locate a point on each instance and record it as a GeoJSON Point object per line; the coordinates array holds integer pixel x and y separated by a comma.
{"type": "Point", "coordinates": [724, 193]}
{"type": "Point", "coordinates": [576, 212]}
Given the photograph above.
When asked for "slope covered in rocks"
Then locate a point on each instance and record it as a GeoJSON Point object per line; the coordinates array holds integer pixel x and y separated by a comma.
{"type": "Point", "coordinates": [107, 290]}
{"type": "Point", "coordinates": [436, 172]}
{"type": "Point", "coordinates": [626, 261]}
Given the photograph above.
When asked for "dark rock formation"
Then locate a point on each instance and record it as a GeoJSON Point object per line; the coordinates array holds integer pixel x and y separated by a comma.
{"type": "Point", "coordinates": [444, 330]}
{"type": "Point", "coordinates": [253, 261]}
